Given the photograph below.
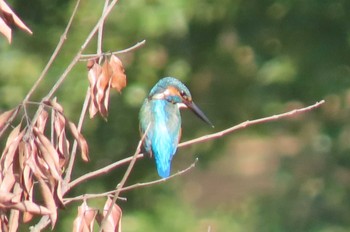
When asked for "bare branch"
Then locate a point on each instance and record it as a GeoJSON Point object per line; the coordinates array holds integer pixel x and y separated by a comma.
{"type": "Point", "coordinates": [68, 174]}
{"type": "Point", "coordinates": [122, 182]}
{"type": "Point", "coordinates": [141, 185]}
{"type": "Point", "coordinates": [101, 171]}
{"type": "Point", "coordinates": [110, 167]}
{"type": "Point", "coordinates": [54, 54]}
{"type": "Point", "coordinates": [83, 112]}
{"type": "Point", "coordinates": [132, 48]}
{"type": "Point", "coordinates": [250, 123]}
{"type": "Point", "coordinates": [131, 187]}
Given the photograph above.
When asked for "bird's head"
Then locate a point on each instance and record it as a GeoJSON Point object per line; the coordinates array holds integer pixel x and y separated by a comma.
{"type": "Point", "coordinates": [175, 92]}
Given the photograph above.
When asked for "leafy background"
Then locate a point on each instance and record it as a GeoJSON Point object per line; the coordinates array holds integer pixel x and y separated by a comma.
{"type": "Point", "coordinates": [241, 60]}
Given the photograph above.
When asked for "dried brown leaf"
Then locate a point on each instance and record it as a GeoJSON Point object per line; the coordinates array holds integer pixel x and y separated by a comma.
{"type": "Point", "coordinates": [42, 119]}
{"type": "Point", "coordinates": [11, 18]}
{"type": "Point", "coordinates": [102, 86]}
{"type": "Point", "coordinates": [6, 197]}
{"type": "Point", "coordinates": [90, 63]}
{"type": "Point", "coordinates": [84, 222]}
{"type": "Point", "coordinates": [113, 222]}
{"type": "Point", "coordinates": [37, 165]}
{"type": "Point", "coordinates": [5, 30]}
{"type": "Point", "coordinates": [63, 149]}
{"type": "Point", "coordinates": [29, 206]}
{"type": "Point", "coordinates": [54, 104]}
{"type": "Point", "coordinates": [59, 123]}
{"type": "Point", "coordinates": [93, 76]}
{"type": "Point", "coordinates": [118, 73]}
{"type": "Point", "coordinates": [4, 222]}
{"type": "Point", "coordinates": [4, 225]}
{"type": "Point", "coordinates": [53, 166]}
{"type": "Point", "coordinates": [62, 143]}
{"type": "Point", "coordinates": [14, 220]}
{"type": "Point", "coordinates": [58, 195]}
{"type": "Point", "coordinates": [14, 214]}
{"type": "Point", "coordinates": [27, 217]}
{"type": "Point", "coordinates": [27, 180]}
{"type": "Point", "coordinates": [49, 154]}
{"type": "Point", "coordinates": [28, 191]}
{"type": "Point", "coordinates": [10, 154]}
{"type": "Point", "coordinates": [8, 181]}
{"type": "Point", "coordinates": [49, 201]}
{"type": "Point", "coordinates": [5, 116]}
{"type": "Point", "coordinates": [81, 141]}
{"type": "Point", "coordinates": [105, 104]}
{"type": "Point", "coordinates": [12, 136]}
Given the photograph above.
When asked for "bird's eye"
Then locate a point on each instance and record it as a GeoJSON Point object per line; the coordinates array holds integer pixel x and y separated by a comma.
{"type": "Point", "coordinates": [183, 94]}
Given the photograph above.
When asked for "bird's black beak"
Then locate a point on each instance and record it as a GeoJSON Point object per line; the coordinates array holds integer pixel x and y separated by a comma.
{"type": "Point", "coordinates": [198, 112]}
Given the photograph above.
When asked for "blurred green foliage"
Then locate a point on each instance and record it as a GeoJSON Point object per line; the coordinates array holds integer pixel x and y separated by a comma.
{"type": "Point", "coordinates": [241, 60]}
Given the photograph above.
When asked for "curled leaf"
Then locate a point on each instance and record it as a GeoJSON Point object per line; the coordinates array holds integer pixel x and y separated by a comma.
{"type": "Point", "coordinates": [49, 201]}
{"type": "Point", "coordinates": [81, 141]}
{"type": "Point", "coordinates": [102, 87]}
{"type": "Point", "coordinates": [93, 76]}
{"type": "Point", "coordinates": [113, 222]}
{"type": "Point", "coordinates": [42, 119]}
{"type": "Point", "coordinates": [90, 63]}
{"type": "Point", "coordinates": [84, 222]}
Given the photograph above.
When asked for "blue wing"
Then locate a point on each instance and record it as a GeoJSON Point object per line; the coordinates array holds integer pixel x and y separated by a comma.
{"type": "Point", "coordinates": [163, 134]}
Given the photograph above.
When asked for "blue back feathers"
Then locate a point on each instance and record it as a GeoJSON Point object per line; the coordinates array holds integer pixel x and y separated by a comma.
{"type": "Point", "coordinates": [164, 120]}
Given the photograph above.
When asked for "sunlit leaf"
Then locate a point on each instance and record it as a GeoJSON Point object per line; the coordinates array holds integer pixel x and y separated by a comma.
{"type": "Point", "coordinates": [118, 76]}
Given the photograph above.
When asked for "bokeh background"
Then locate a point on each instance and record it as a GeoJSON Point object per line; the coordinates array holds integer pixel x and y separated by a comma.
{"type": "Point", "coordinates": [241, 60]}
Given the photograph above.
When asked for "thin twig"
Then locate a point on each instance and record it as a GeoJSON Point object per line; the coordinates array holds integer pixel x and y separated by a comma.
{"type": "Point", "coordinates": [250, 123]}
{"type": "Point", "coordinates": [131, 187]}
{"type": "Point", "coordinates": [101, 171]}
{"type": "Point", "coordinates": [54, 54]}
{"type": "Point", "coordinates": [145, 184]}
{"type": "Point", "coordinates": [123, 181]}
{"type": "Point", "coordinates": [114, 165]}
{"type": "Point", "coordinates": [67, 177]}
{"type": "Point", "coordinates": [74, 61]}
{"type": "Point", "coordinates": [87, 57]}
{"type": "Point", "coordinates": [83, 112]}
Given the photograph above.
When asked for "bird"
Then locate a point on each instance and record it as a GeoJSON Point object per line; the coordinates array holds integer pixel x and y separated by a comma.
{"type": "Point", "coordinates": [160, 121]}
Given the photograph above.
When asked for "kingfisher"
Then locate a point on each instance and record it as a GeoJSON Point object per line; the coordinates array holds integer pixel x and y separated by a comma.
{"type": "Point", "coordinates": [160, 119]}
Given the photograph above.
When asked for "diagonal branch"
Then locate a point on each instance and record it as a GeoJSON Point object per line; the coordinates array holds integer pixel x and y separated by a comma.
{"type": "Point", "coordinates": [123, 181]}
{"type": "Point", "coordinates": [250, 123]}
{"type": "Point", "coordinates": [216, 135]}
{"type": "Point", "coordinates": [131, 187]}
